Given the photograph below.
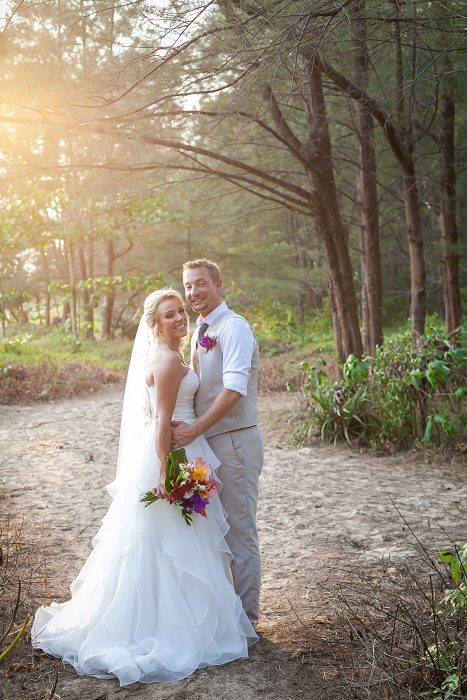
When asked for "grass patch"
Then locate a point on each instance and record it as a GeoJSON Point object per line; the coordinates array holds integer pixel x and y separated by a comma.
{"type": "Point", "coordinates": [39, 365]}
{"type": "Point", "coordinates": [33, 347]}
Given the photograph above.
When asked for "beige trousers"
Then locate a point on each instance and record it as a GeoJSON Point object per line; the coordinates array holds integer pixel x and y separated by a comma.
{"type": "Point", "coordinates": [241, 455]}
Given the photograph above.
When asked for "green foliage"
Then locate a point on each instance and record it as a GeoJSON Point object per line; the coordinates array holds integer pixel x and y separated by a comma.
{"type": "Point", "coordinates": [128, 284]}
{"type": "Point", "coordinates": [403, 395]}
{"type": "Point", "coordinates": [279, 329]}
{"type": "Point", "coordinates": [14, 346]}
{"type": "Point", "coordinates": [447, 656]}
{"type": "Point", "coordinates": [56, 346]}
{"type": "Point", "coordinates": [339, 410]}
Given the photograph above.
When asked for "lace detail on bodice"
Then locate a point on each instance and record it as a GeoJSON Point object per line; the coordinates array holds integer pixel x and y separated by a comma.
{"type": "Point", "coordinates": [184, 406]}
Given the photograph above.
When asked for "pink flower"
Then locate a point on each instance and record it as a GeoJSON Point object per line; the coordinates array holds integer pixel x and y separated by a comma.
{"type": "Point", "coordinates": [199, 462]}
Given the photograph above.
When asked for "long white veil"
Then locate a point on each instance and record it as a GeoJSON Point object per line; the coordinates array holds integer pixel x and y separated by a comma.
{"type": "Point", "coordinates": [136, 409]}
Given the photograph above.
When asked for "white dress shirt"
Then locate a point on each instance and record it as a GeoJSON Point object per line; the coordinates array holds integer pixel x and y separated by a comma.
{"type": "Point", "coordinates": [237, 343]}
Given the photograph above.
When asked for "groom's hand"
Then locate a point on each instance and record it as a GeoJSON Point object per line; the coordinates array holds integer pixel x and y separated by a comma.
{"type": "Point", "coordinates": [182, 434]}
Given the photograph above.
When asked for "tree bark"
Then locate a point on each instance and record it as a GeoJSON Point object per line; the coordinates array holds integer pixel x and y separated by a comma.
{"type": "Point", "coordinates": [367, 197]}
{"type": "Point", "coordinates": [449, 232]}
{"type": "Point", "coordinates": [85, 295]}
{"type": "Point", "coordinates": [340, 349]}
{"type": "Point", "coordinates": [416, 259]}
{"type": "Point", "coordinates": [329, 225]}
{"type": "Point", "coordinates": [110, 296]}
{"type": "Point", "coordinates": [65, 311]}
{"type": "Point", "coordinates": [73, 300]}
{"type": "Point", "coordinates": [410, 188]}
{"type": "Point", "coordinates": [45, 265]}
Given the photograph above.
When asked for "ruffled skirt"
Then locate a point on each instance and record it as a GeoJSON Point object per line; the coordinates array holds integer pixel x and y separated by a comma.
{"type": "Point", "coordinates": [154, 600]}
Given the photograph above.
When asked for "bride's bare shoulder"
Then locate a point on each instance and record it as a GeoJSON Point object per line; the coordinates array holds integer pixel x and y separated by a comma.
{"type": "Point", "coordinates": [163, 361]}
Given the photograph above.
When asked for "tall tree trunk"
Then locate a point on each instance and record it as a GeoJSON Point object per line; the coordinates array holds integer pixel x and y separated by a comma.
{"type": "Point", "coordinates": [90, 247]}
{"type": "Point", "coordinates": [398, 64]}
{"type": "Point", "coordinates": [416, 259]}
{"type": "Point", "coordinates": [340, 348]}
{"type": "Point", "coordinates": [3, 315]}
{"type": "Point", "coordinates": [367, 197]}
{"type": "Point", "coordinates": [110, 296]}
{"type": "Point", "coordinates": [410, 188]}
{"type": "Point", "coordinates": [449, 232]}
{"type": "Point", "coordinates": [73, 300]}
{"type": "Point", "coordinates": [47, 306]}
{"type": "Point", "coordinates": [86, 297]}
{"type": "Point", "coordinates": [21, 315]}
{"type": "Point", "coordinates": [38, 309]}
{"type": "Point", "coordinates": [62, 264]}
{"type": "Point", "coordinates": [45, 265]}
{"type": "Point", "coordinates": [65, 311]}
{"type": "Point", "coordinates": [329, 225]}
{"type": "Point", "coordinates": [397, 140]}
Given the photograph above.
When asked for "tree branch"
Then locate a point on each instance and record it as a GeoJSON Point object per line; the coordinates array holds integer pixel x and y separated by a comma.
{"type": "Point", "coordinates": [356, 93]}
{"type": "Point", "coordinates": [185, 147]}
{"type": "Point", "coordinates": [292, 141]}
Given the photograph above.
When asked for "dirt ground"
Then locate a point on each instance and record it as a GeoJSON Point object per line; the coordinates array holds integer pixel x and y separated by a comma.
{"type": "Point", "coordinates": [324, 514]}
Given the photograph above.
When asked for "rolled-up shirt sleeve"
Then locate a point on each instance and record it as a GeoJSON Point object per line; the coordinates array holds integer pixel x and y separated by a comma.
{"type": "Point", "coordinates": [237, 343]}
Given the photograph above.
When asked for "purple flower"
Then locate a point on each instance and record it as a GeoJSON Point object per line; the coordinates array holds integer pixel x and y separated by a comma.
{"type": "Point", "coordinates": [207, 342]}
{"type": "Point", "coordinates": [196, 502]}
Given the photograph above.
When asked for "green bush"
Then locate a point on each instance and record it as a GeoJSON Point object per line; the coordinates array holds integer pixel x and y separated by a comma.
{"type": "Point", "coordinates": [337, 410]}
{"type": "Point", "coordinates": [446, 657]}
{"type": "Point", "coordinates": [405, 394]}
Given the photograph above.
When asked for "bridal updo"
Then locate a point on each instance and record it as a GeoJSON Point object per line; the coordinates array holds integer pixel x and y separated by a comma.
{"type": "Point", "coordinates": [152, 303]}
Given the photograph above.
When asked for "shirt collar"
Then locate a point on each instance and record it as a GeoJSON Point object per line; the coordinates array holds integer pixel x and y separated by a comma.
{"type": "Point", "coordinates": [210, 318]}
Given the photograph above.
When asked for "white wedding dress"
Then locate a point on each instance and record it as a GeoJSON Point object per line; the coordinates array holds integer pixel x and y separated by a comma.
{"type": "Point", "coordinates": [155, 600]}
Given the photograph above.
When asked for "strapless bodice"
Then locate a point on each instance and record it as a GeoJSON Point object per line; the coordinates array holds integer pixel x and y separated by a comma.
{"type": "Point", "coordinates": [184, 406]}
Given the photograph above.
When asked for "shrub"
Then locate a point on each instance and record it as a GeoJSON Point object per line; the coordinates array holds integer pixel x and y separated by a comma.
{"type": "Point", "coordinates": [338, 410]}
{"type": "Point", "coordinates": [446, 657]}
{"type": "Point", "coordinates": [405, 394]}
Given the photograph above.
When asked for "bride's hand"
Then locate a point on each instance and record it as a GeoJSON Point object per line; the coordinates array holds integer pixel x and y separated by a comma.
{"type": "Point", "coordinates": [159, 490]}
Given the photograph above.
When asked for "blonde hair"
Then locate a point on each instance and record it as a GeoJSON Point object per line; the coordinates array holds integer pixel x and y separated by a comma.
{"type": "Point", "coordinates": [151, 306]}
{"type": "Point", "coordinates": [212, 267]}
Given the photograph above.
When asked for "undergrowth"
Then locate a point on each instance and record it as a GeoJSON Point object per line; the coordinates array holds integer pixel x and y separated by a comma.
{"type": "Point", "coordinates": [405, 395]}
{"type": "Point", "coordinates": [409, 629]}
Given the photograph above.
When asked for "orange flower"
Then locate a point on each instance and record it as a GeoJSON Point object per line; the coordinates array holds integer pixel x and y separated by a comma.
{"type": "Point", "coordinates": [199, 474]}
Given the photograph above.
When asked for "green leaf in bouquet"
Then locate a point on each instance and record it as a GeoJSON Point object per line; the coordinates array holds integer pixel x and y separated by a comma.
{"type": "Point", "coordinates": [172, 466]}
{"type": "Point", "coordinates": [148, 498]}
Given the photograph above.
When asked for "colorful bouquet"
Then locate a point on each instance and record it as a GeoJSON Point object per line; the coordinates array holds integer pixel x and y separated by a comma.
{"type": "Point", "coordinates": [189, 485]}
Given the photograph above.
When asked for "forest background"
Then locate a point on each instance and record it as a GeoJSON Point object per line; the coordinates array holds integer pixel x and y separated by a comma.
{"type": "Point", "coordinates": [316, 150]}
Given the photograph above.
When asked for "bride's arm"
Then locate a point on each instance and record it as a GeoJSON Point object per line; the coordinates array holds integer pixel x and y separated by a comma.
{"type": "Point", "coordinates": [167, 374]}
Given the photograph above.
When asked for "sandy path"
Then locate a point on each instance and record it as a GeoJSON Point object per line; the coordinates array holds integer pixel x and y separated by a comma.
{"type": "Point", "coordinates": [56, 459]}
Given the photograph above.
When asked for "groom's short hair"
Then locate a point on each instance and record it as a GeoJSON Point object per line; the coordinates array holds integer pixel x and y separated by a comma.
{"type": "Point", "coordinates": [212, 267]}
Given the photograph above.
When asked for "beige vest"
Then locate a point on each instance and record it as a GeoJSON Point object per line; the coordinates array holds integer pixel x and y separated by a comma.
{"type": "Point", "coordinates": [209, 364]}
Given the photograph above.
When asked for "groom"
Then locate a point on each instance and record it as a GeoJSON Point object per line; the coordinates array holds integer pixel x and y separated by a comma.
{"type": "Point", "coordinates": [224, 353]}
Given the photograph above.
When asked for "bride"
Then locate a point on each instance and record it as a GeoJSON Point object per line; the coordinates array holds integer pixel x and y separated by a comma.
{"type": "Point", "coordinates": [154, 600]}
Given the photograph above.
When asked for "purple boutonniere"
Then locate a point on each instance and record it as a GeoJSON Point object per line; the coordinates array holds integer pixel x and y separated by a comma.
{"type": "Point", "coordinates": [208, 342]}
